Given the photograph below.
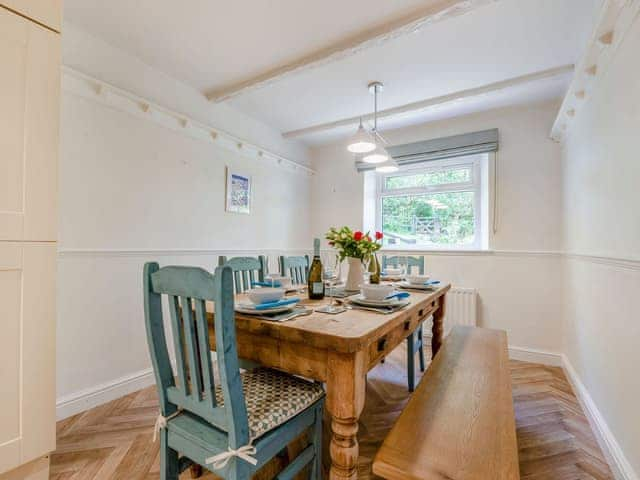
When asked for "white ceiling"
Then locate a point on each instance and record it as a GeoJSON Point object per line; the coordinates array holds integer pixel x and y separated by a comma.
{"type": "Point", "coordinates": [214, 44]}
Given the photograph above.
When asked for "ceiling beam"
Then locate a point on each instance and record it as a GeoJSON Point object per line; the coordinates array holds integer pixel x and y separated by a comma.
{"type": "Point", "coordinates": [435, 12]}
{"type": "Point", "coordinates": [436, 102]}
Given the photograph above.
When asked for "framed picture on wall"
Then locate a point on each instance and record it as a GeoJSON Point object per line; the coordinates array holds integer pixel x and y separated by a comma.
{"type": "Point", "coordinates": [239, 193]}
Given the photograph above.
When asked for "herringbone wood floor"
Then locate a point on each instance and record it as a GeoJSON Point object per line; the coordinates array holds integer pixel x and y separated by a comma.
{"type": "Point", "coordinates": [114, 441]}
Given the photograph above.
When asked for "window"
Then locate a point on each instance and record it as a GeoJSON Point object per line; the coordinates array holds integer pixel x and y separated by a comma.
{"type": "Point", "coordinates": [434, 205]}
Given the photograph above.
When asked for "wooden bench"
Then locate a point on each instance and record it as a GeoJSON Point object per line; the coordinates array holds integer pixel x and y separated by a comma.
{"type": "Point", "coordinates": [459, 424]}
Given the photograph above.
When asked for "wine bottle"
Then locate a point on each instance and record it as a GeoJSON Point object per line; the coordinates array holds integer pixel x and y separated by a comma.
{"type": "Point", "coordinates": [315, 283]}
{"type": "Point", "coordinates": [374, 270]}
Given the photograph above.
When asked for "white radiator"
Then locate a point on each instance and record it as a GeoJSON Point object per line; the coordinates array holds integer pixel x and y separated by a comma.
{"type": "Point", "coordinates": [461, 309]}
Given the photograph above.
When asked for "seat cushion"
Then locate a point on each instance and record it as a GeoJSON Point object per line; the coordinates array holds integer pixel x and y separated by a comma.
{"type": "Point", "coordinates": [273, 397]}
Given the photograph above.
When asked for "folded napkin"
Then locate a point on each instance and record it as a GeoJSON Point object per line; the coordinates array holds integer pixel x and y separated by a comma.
{"type": "Point", "coordinates": [279, 303]}
{"type": "Point", "coordinates": [266, 284]}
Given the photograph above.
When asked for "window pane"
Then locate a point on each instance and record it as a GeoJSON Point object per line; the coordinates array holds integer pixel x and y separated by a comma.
{"type": "Point", "coordinates": [437, 220]}
{"type": "Point", "coordinates": [425, 179]}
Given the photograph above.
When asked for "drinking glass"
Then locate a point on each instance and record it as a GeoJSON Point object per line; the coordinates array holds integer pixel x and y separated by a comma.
{"type": "Point", "coordinates": [403, 265]}
{"type": "Point", "coordinates": [366, 261]}
{"type": "Point", "coordinates": [331, 279]}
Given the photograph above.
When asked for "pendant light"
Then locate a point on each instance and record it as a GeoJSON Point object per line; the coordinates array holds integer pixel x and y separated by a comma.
{"type": "Point", "coordinates": [378, 154]}
{"type": "Point", "coordinates": [361, 141]}
{"type": "Point", "coordinates": [371, 145]}
{"type": "Point", "coordinates": [389, 166]}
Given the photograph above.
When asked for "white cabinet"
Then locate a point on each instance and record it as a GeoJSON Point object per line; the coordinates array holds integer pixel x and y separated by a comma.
{"type": "Point", "coordinates": [46, 12]}
{"type": "Point", "coordinates": [29, 124]}
{"type": "Point", "coordinates": [29, 119]}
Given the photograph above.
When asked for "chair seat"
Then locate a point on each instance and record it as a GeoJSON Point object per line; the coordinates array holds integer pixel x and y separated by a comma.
{"type": "Point", "coordinates": [273, 397]}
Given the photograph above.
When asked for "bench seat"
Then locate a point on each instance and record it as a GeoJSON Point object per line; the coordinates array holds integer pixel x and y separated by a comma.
{"type": "Point", "coordinates": [459, 424]}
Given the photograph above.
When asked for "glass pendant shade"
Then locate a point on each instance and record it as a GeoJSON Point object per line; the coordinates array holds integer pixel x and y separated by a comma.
{"type": "Point", "coordinates": [378, 155]}
{"type": "Point", "coordinates": [388, 166]}
{"type": "Point", "coordinates": [361, 142]}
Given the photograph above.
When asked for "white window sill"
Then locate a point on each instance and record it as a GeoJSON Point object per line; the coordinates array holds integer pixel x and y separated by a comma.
{"type": "Point", "coordinates": [438, 251]}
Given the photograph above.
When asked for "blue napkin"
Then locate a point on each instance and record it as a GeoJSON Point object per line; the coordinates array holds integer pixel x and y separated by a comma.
{"type": "Point", "coordinates": [398, 295]}
{"type": "Point", "coordinates": [279, 303]}
{"type": "Point", "coordinates": [432, 282]}
{"type": "Point", "coordinates": [276, 284]}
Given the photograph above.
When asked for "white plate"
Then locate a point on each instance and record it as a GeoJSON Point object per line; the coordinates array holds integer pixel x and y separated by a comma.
{"type": "Point", "coordinates": [249, 308]}
{"type": "Point", "coordinates": [360, 300]}
{"type": "Point", "coordinates": [417, 286]}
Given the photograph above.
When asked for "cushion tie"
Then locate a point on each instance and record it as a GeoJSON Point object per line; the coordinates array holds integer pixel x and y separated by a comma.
{"type": "Point", "coordinates": [245, 453]}
{"type": "Point", "coordinates": [161, 422]}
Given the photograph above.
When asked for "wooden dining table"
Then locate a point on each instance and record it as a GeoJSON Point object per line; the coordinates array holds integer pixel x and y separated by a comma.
{"type": "Point", "coordinates": [338, 350]}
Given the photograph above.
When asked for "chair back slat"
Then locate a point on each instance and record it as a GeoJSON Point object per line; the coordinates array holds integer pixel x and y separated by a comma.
{"type": "Point", "coordinates": [407, 260]}
{"type": "Point", "coordinates": [191, 345]}
{"type": "Point", "coordinates": [245, 270]}
{"type": "Point", "coordinates": [187, 289]}
{"type": "Point", "coordinates": [178, 340]}
{"type": "Point", "coordinates": [204, 348]}
{"type": "Point", "coordinates": [295, 267]}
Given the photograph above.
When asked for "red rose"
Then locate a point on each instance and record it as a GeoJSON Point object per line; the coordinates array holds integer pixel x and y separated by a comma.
{"type": "Point", "coordinates": [332, 243]}
{"type": "Point", "coordinates": [357, 236]}
{"type": "Point", "coordinates": [378, 235]}
{"type": "Point", "coordinates": [367, 238]}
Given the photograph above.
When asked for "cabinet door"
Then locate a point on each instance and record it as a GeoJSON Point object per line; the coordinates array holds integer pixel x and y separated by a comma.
{"type": "Point", "coordinates": [10, 354]}
{"type": "Point", "coordinates": [29, 119]}
{"type": "Point", "coordinates": [47, 12]}
{"type": "Point", "coordinates": [27, 351]}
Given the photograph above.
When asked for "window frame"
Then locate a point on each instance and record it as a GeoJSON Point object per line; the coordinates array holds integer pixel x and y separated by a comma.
{"type": "Point", "coordinates": [474, 185]}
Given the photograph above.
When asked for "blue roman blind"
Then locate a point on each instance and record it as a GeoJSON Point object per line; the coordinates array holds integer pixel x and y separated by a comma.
{"type": "Point", "coordinates": [440, 148]}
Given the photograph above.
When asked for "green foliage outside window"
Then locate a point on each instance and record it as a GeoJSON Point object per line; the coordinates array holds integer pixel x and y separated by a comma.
{"type": "Point", "coordinates": [438, 219]}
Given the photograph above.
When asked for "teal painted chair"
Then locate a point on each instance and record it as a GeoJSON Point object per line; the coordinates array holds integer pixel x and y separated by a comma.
{"type": "Point", "coordinates": [235, 426]}
{"type": "Point", "coordinates": [410, 262]}
{"type": "Point", "coordinates": [415, 340]}
{"type": "Point", "coordinates": [246, 270]}
{"type": "Point", "coordinates": [295, 267]}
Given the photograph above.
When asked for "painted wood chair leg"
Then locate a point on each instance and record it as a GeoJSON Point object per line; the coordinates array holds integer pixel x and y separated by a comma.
{"type": "Point", "coordinates": [411, 356]}
{"type": "Point", "coordinates": [316, 468]}
{"type": "Point", "coordinates": [421, 348]}
{"type": "Point", "coordinates": [169, 465]}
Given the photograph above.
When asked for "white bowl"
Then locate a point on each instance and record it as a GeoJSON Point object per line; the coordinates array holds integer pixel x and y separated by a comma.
{"type": "Point", "coordinates": [282, 280]}
{"type": "Point", "coordinates": [417, 279]}
{"type": "Point", "coordinates": [376, 291]}
{"type": "Point", "coordinates": [265, 295]}
{"type": "Point", "coordinates": [392, 271]}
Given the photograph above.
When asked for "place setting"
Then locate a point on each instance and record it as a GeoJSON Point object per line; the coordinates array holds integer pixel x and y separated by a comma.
{"type": "Point", "coordinates": [270, 303]}
{"type": "Point", "coordinates": [418, 282]}
{"type": "Point", "coordinates": [379, 298]}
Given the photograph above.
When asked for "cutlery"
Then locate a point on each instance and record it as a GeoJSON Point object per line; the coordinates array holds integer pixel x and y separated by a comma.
{"type": "Point", "coordinates": [302, 313]}
{"type": "Point", "coordinates": [398, 295]}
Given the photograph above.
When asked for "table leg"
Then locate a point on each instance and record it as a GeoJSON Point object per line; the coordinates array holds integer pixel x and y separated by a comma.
{"type": "Point", "coordinates": [437, 330]}
{"type": "Point", "coordinates": [345, 400]}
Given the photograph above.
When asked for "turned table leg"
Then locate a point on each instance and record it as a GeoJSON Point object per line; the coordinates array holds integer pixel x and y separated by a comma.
{"type": "Point", "coordinates": [345, 401]}
{"type": "Point", "coordinates": [438, 328]}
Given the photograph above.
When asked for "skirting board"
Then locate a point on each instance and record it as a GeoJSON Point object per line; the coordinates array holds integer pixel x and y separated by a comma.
{"type": "Point", "coordinates": [620, 466]}
{"type": "Point", "coordinates": [535, 356]}
{"type": "Point", "coordinates": [78, 402]}
{"type": "Point", "coordinates": [523, 354]}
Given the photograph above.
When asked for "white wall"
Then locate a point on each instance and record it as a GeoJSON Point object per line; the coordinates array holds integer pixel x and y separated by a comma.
{"type": "Point", "coordinates": [520, 283]}
{"type": "Point", "coordinates": [602, 234]}
{"type": "Point", "coordinates": [134, 191]}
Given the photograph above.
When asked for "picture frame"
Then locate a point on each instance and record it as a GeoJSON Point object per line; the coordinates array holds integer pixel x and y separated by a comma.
{"type": "Point", "coordinates": [239, 192]}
